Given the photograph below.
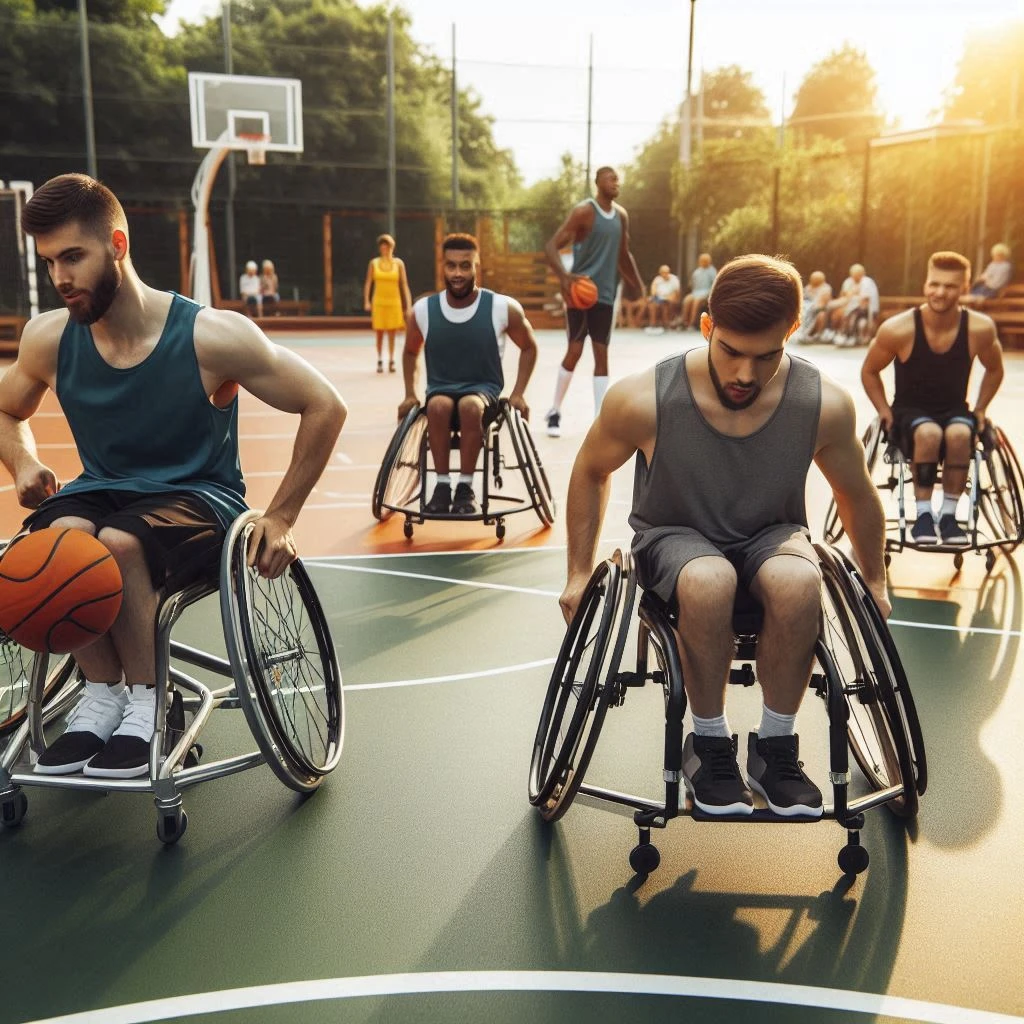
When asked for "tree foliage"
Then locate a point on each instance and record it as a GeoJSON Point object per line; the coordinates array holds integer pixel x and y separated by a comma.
{"type": "Point", "coordinates": [989, 84]}
{"type": "Point", "coordinates": [838, 99]}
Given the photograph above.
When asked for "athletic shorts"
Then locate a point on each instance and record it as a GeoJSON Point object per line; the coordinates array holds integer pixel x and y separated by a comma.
{"type": "Point", "coordinates": [181, 536]}
{"type": "Point", "coordinates": [595, 322]}
{"type": "Point", "coordinates": [659, 555]}
{"type": "Point", "coordinates": [490, 405]}
{"type": "Point", "coordinates": [906, 419]}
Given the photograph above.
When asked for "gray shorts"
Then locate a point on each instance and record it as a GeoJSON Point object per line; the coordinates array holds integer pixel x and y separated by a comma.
{"type": "Point", "coordinates": [660, 554]}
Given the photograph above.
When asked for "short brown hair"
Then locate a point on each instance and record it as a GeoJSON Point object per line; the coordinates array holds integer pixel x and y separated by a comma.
{"type": "Point", "coordinates": [381, 239]}
{"type": "Point", "coordinates": [73, 198]}
{"type": "Point", "coordinates": [459, 240]}
{"type": "Point", "coordinates": [755, 292]}
{"type": "Point", "coordinates": [948, 260]}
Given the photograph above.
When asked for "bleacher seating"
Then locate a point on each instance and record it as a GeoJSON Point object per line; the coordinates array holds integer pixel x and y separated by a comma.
{"type": "Point", "coordinates": [1007, 311]}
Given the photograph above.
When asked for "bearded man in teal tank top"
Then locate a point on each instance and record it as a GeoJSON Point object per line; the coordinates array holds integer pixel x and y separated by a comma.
{"type": "Point", "coordinates": [148, 381]}
{"type": "Point", "coordinates": [598, 230]}
{"type": "Point", "coordinates": [461, 332]}
{"type": "Point", "coordinates": [723, 437]}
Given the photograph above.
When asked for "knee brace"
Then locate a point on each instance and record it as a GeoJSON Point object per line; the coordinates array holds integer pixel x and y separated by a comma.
{"type": "Point", "coordinates": [925, 473]}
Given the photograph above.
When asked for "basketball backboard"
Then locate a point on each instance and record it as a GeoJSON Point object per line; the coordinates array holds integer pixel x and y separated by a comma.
{"type": "Point", "coordinates": [226, 109]}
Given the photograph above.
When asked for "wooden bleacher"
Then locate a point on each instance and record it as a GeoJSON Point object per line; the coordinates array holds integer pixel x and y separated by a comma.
{"type": "Point", "coordinates": [10, 333]}
{"type": "Point", "coordinates": [1007, 311]}
{"type": "Point", "coordinates": [527, 277]}
{"type": "Point", "coordinates": [286, 307]}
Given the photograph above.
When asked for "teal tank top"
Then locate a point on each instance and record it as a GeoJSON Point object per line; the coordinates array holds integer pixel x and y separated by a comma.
{"type": "Point", "coordinates": [597, 256]}
{"type": "Point", "coordinates": [150, 428]}
{"type": "Point", "coordinates": [463, 359]}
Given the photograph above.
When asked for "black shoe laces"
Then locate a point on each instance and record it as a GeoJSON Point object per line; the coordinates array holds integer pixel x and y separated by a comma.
{"type": "Point", "coordinates": [721, 762]}
{"type": "Point", "coordinates": [784, 762]}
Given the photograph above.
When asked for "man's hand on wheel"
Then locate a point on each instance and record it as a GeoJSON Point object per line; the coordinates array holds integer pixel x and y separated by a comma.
{"type": "Point", "coordinates": [271, 546]}
{"type": "Point", "coordinates": [406, 405]}
{"type": "Point", "coordinates": [518, 402]}
{"type": "Point", "coordinates": [569, 602]}
{"type": "Point", "coordinates": [34, 484]}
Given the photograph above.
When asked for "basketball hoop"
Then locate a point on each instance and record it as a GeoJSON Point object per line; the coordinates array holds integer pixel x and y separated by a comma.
{"type": "Point", "coordinates": [255, 147]}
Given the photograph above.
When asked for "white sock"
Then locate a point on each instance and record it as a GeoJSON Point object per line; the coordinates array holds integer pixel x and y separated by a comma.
{"type": "Point", "coordinates": [561, 386]}
{"type": "Point", "coordinates": [466, 478]}
{"type": "Point", "coordinates": [98, 689]}
{"type": "Point", "coordinates": [444, 478]}
{"type": "Point", "coordinates": [600, 387]}
{"type": "Point", "coordinates": [774, 724]}
{"type": "Point", "coordinates": [924, 508]}
{"type": "Point", "coordinates": [948, 506]}
{"type": "Point", "coordinates": [718, 726]}
{"type": "Point", "coordinates": [140, 716]}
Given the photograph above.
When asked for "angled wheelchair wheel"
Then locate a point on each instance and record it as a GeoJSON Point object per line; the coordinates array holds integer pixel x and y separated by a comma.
{"type": "Point", "coordinates": [535, 478]}
{"type": "Point", "coordinates": [399, 478]}
{"type": "Point", "coordinates": [16, 673]}
{"type": "Point", "coordinates": [883, 729]}
{"type": "Point", "coordinates": [872, 440]}
{"type": "Point", "coordinates": [1001, 496]}
{"type": "Point", "coordinates": [581, 688]}
{"type": "Point", "coordinates": [286, 670]}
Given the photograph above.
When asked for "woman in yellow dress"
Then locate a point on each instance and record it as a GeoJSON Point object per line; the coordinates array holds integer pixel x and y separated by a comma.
{"type": "Point", "coordinates": [386, 276]}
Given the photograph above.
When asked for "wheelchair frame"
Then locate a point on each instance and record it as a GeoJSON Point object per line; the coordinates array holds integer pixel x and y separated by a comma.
{"type": "Point", "coordinates": [402, 478]}
{"type": "Point", "coordinates": [265, 685]}
{"type": "Point", "coordinates": [870, 708]}
{"type": "Point", "coordinates": [999, 501]}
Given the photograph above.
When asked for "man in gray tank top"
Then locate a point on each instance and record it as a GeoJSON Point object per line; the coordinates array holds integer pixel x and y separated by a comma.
{"type": "Point", "coordinates": [598, 230]}
{"type": "Point", "coordinates": [723, 437]}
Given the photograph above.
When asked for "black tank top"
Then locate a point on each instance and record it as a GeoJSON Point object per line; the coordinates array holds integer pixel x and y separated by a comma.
{"type": "Point", "coordinates": [931, 381]}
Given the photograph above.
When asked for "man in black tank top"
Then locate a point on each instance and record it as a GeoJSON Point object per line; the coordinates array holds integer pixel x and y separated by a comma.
{"type": "Point", "coordinates": [723, 438]}
{"type": "Point", "coordinates": [934, 347]}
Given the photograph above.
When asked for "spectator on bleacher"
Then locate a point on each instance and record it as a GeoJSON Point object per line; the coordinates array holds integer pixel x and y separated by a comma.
{"type": "Point", "coordinates": [392, 300]}
{"type": "Point", "coordinates": [663, 303]}
{"type": "Point", "coordinates": [853, 315]}
{"type": "Point", "coordinates": [701, 280]}
{"type": "Point", "coordinates": [630, 312]}
{"type": "Point", "coordinates": [249, 290]}
{"type": "Point", "coordinates": [270, 291]}
{"type": "Point", "coordinates": [996, 276]}
{"type": "Point", "coordinates": [817, 296]}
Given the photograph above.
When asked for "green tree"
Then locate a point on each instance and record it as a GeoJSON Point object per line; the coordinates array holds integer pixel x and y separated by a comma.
{"type": "Point", "coordinates": [733, 106]}
{"type": "Point", "coordinates": [989, 84]}
{"type": "Point", "coordinates": [838, 99]}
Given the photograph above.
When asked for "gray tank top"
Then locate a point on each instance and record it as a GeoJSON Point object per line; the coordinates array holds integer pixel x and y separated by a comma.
{"type": "Point", "coordinates": [597, 256]}
{"type": "Point", "coordinates": [726, 488]}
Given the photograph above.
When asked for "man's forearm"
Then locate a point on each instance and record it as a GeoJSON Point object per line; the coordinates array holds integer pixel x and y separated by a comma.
{"type": "Point", "coordinates": [409, 364]}
{"type": "Point", "coordinates": [863, 519]}
{"type": "Point", "coordinates": [584, 514]}
{"type": "Point", "coordinates": [554, 259]}
{"type": "Point", "coordinates": [17, 443]}
{"type": "Point", "coordinates": [989, 386]}
{"type": "Point", "coordinates": [527, 361]}
{"type": "Point", "coordinates": [314, 442]}
{"type": "Point", "coordinates": [875, 390]}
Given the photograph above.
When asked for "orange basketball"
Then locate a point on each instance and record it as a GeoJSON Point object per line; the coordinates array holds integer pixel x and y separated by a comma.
{"type": "Point", "coordinates": [583, 293]}
{"type": "Point", "coordinates": [60, 589]}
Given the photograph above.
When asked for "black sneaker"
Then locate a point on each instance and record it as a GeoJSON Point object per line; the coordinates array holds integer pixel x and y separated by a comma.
{"type": "Point", "coordinates": [440, 501]}
{"type": "Point", "coordinates": [464, 503]}
{"type": "Point", "coordinates": [712, 776]}
{"type": "Point", "coordinates": [554, 423]}
{"type": "Point", "coordinates": [91, 723]}
{"type": "Point", "coordinates": [924, 530]}
{"type": "Point", "coordinates": [951, 531]}
{"type": "Point", "coordinates": [126, 754]}
{"type": "Point", "coordinates": [775, 771]}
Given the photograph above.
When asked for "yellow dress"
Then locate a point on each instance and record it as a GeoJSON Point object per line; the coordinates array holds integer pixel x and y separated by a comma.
{"type": "Point", "coordinates": [386, 308]}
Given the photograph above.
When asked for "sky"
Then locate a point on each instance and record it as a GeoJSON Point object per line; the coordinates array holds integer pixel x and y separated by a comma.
{"type": "Point", "coordinates": [530, 67]}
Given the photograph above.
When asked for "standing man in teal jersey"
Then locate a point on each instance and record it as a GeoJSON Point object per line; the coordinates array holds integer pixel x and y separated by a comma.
{"type": "Point", "coordinates": [148, 381]}
{"type": "Point", "coordinates": [599, 232]}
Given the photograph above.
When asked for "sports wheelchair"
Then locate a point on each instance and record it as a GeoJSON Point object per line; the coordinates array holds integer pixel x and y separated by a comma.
{"type": "Point", "coordinates": [401, 484]}
{"type": "Point", "coordinates": [283, 674]}
{"type": "Point", "coordinates": [858, 677]}
{"type": "Point", "coordinates": [994, 496]}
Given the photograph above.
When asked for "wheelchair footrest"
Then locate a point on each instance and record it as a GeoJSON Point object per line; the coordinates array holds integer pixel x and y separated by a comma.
{"type": "Point", "coordinates": [743, 676]}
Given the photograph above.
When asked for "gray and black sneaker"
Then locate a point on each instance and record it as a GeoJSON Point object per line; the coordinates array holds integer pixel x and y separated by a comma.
{"type": "Point", "coordinates": [554, 423]}
{"type": "Point", "coordinates": [776, 772]}
{"type": "Point", "coordinates": [924, 530]}
{"type": "Point", "coordinates": [712, 776]}
{"type": "Point", "coordinates": [440, 501]}
{"type": "Point", "coordinates": [91, 723]}
{"type": "Point", "coordinates": [464, 502]}
{"type": "Point", "coordinates": [951, 531]}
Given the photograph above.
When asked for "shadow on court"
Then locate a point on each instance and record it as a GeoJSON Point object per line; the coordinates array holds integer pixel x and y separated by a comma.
{"type": "Point", "coordinates": [959, 680]}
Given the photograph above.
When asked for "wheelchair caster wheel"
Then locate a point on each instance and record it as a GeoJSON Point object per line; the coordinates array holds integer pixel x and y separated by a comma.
{"type": "Point", "coordinates": [407, 530]}
{"type": "Point", "coordinates": [499, 531]}
{"type": "Point", "coordinates": [958, 561]}
{"type": "Point", "coordinates": [990, 560]}
{"type": "Point", "coordinates": [499, 482]}
{"type": "Point", "coordinates": [644, 858]}
{"type": "Point", "coordinates": [14, 809]}
{"type": "Point", "coordinates": [853, 860]}
{"type": "Point", "coordinates": [888, 559]}
{"type": "Point", "coordinates": [170, 826]}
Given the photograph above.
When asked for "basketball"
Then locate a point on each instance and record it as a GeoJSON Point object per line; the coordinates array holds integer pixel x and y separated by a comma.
{"type": "Point", "coordinates": [583, 293]}
{"type": "Point", "coordinates": [60, 589]}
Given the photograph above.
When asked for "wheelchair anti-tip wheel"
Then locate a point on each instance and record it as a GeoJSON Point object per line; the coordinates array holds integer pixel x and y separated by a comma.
{"type": "Point", "coordinates": [291, 693]}
{"type": "Point", "coordinates": [581, 688]}
{"type": "Point", "coordinates": [398, 480]}
{"type": "Point", "coordinates": [872, 441]}
{"type": "Point", "coordinates": [883, 729]}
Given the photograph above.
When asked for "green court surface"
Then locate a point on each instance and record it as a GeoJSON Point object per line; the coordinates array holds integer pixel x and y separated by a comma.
{"type": "Point", "coordinates": [418, 884]}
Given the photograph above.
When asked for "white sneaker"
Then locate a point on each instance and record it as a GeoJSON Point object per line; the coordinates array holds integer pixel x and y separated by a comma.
{"type": "Point", "coordinates": [92, 722]}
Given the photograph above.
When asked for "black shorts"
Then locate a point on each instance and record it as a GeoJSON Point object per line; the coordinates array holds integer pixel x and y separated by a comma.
{"type": "Point", "coordinates": [490, 406]}
{"type": "Point", "coordinates": [596, 322]}
{"type": "Point", "coordinates": [181, 536]}
{"type": "Point", "coordinates": [906, 419]}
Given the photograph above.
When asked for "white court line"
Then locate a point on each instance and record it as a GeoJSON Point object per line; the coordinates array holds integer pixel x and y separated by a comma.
{"type": "Point", "coordinates": [327, 560]}
{"type": "Point", "coordinates": [534, 981]}
{"type": "Point", "coordinates": [954, 629]}
{"type": "Point", "coordinates": [443, 579]}
{"type": "Point", "coordinates": [525, 667]}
